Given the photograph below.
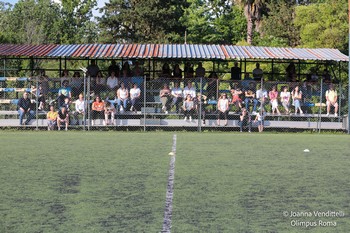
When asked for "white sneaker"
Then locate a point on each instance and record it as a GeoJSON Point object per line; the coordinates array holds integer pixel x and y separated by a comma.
{"type": "Point", "coordinates": [66, 129]}
{"type": "Point", "coordinates": [327, 113]}
{"type": "Point", "coordinates": [131, 108]}
{"type": "Point", "coordinates": [166, 112]}
{"type": "Point", "coordinates": [254, 113]}
{"type": "Point", "coordinates": [203, 122]}
{"type": "Point", "coordinates": [301, 112]}
{"type": "Point", "coordinates": [335, 114]}
{"type": "Point", "coordinates": [185, 119]}
{"type": "Point", "coordinates": [190, 118]}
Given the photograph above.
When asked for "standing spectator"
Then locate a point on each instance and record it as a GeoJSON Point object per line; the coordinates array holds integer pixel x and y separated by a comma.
{"type": "Point", "coordinates": [188, 71]}
{"type": "Point", "coordinates": [297, 98]}
{"type": "Point", "coordinates": [137, 71]}
{"type": "Point", "coordinates": [98, 108]}
{"type": "Point", "coordinates": [92, 69]}
{"type": "Point", "coordinates": [250, 96]}
{"type": "Point", "coordinates": [212, 87]}
{"type": "Point", "coordinates": [200, 74]}
{"type": "Point", "coordinates": [177, 95]}
{"type": "Point", "coordinates": [135, 95]}
{"type": "Point", "coordinates": [188, 108]}
{"type": "Point", "coordinates": [260, 116]}
{"type": "Point", "coordinates": [24, 108]}
{"type": "Point", "coordinates": [76, 84]}
{"type": "Point", "coordinates": [244, 120]}
{"type": "Point", "coordinates": [63, 92]}
{"type": "Point", "coordinates": [113, 68]}
{"type": "Point", "coordinates": [257, 73]}
{"type": "Point", "coordinates": [62, 117]}
{"type": "Point", "coordinates": [79, 108]}
{"type": "Point", "coordinates": [201, 106]}
{"type": "Point", "coordinates": [112, 81]}
{"type": "Point", "coordinates": [51, 117]}
{"type": "Point", "coordinates": [177, 72]}
{"type": "Point", "coordinates": [165, 98]}
{"type": "Point", "coordinates": [166, 72]}
{"type": "Point", "coordinates": [285, 99]}
{"type": "Point", "coordinates": [235, 74]}
{"type": "Point", "coordinates": [110, 111]}
{"type": "Point", "coordinates": [291, 73]}
{"type": "Point", "coordinates": [332, 98]}
{"type": "Point", "coordinates": [189, 90]}
{"type": "Point", "coordinates": [223, 109]}
{"type": "Point", "coordinates": [273, 95]}
{"type": "Point", "coordinates": [122, 97]}
{"type": "Point", "coordinates": [65, 76]}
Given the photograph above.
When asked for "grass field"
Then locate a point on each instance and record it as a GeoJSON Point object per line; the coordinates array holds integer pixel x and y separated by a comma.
{"type": "Point", "coordinates": [224, 182]}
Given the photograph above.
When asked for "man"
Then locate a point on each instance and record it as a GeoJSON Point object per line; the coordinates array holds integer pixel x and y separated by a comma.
{"type": "Point", "coordinates": [235, 74]}
{"type": "Point", "coordinates": [92, 69]}
{"type": "Point", "coordinates": [189, 90]}
{"type": "Point", "coordinates": [261, 96]}
{"type": "Point", "coordinates": [62, 117]}
{"type": "Point", "coordinates": [244, 120]}
{"type": "Point", "coordinates": [24, 108]}
{"type": "Point", "coordinates": [249, 94]}
{"type": "Point", "coordinates": [79, 108]}
{"type": "Point", "coordinates": [257, 73]}
{"type": "Point", "coordinates": [332, 98]}
{"type": "Point", "coordinates": [64, 92]}
{"type": "Point", "coordinates": [51, 118]}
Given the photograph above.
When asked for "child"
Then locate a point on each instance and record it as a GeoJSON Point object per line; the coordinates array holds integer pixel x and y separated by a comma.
{"type": "Point", "coordinates": [260, 119]}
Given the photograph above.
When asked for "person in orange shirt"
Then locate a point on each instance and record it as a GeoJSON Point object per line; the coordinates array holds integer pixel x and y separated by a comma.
{"type": "Point", "coordinates": [51, 118]}
{"type": "Point", "coordinates": [98, 109]}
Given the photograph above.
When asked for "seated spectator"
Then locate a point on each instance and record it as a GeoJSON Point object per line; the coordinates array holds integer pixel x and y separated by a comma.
{"type": "Point", "coordinates": [285, 99]}
{"type": "Point", "coordinates": [223, 109]}
{"type": "Point", "coordinates": [122, 97]}
{"type": "Point", "coordinates": [66, 104]}
{"type": "Point", "coordinates": [250, 97]}
{"type": "Point", "coordinates": [100, 83]}
{"type": "Point", "coordinates": [260, 116]}
{"type": "Point", "coordinates": [188, 108]}
{"type": "Point", "coordinates": [76, 84]}
{"type": "Point", "coordinates": [189, 90]}
{"type": "Point", "coordinates": [51, 117]}
{"type": "Point", "coordinates": [273, 94]}
{"type": "Point", "coordinates": [24, 108]}
{"type": "Point", "coordinates": [212, 87]}
{"type": "Point", "coordinates": [236, 99]}
{"type": "Point", "coordinates": [165, 98]}
{"type": "Point", "coordinates": [257, 73]}
{"type": "Point", "coordinates": [297, 99]}
{"type": "Point", "coordinates": [332, 100]}
{"type": "Point", "coordinates": [261, 96]}
{"type": "Point", "coordinates": [62, 117]}
{"type": "Point", "coordinates": [79, 108]}
{"type": "Point", "coordinates": [97, 108]}
{"type": "Point", "coordinates": [65, 76]}
{"type": "Point", "coordinates": [244, 120]}
{"type": "Point", "coordinates": [113, 68]}
{"type": "Point", "coordinates": [109, 112]}
{"type": "Point", "coordinates": [63, 92]}
{"type": "Point", "coordinates": [177, 96]}
{"type": "Point", "coordinates": [112, 81]}
{"type": "Point", "coordinates": [135, 95]}
{"type": "Point", "coordinates": [201, 104]}
{"type": "Point", "coordinates": [137, 71]}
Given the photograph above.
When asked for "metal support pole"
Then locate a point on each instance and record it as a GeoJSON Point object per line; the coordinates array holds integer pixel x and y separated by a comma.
{"type": "Point", "coordinates": [200, 105]}
{"type": "Point", "coordinates": [36, 102]}
{"type": "Point", "coordinates": [144, 102]}
{"type": "Point", "coordinates": [85, 102]}
{"type": "Point", "coordinates": [320, 108]}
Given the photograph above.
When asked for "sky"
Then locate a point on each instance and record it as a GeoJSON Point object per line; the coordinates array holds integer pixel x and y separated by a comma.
{"type": "Point", "coordinates": [100, 3]}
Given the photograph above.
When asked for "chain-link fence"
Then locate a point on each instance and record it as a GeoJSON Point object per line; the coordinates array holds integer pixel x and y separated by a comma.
{"type": "Point", "coordinates": [134, 103]}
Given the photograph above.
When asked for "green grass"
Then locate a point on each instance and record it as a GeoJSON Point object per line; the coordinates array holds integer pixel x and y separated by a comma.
{"type": "Point", "coordinates": [224, 182]}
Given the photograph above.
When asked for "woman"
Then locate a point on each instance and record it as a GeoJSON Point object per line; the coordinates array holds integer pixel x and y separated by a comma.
{"type": "Point", "coordinates": [297, 97]}
{"type": "Point", "coordinates": [260, 116]}
{"type": "Point", "coordinates": [122, 97]}
{"type": "Point", "coordinates": [135, 94]}
{"type": "Point", "coordinates": [222, 109]}
{"type": "Point", "coordinates": [285, 99]}
{"type": "Point", "coordinates": [165, 98]}
{"type": "Point", "coordinates": [98, 108]}
{"type": "Point", "coordinates": [236, 100]}
{"type": "Point", "coordinates": [273, 95]}
{"type": "Point", "coordinates": [188, 107]}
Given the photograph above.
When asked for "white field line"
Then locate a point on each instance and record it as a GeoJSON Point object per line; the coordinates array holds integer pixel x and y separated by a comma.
{"type": "Point", "coordinates": [170, 190]}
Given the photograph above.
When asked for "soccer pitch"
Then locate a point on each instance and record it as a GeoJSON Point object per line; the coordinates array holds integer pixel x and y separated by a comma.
{"type": "Point", "coordinates": [224, 182]}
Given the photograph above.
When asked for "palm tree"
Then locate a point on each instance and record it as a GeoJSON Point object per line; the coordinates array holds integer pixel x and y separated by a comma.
{"type": "Point", "coordinates": [253, 11]}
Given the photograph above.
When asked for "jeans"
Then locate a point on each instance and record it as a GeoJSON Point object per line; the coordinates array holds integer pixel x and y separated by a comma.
{"type": "Point", "coordinates": [247, 100]}
{"type": "Point", "coordinates": [22, 114]}
{"type": "Point", "coordinates": [245, 123]}
{"type": "Point", "coordinates": [134, 102]}
{"type": "Point", "coordinates": [119, 102]}
{"type": "Point", "coordinates": [177, 101]}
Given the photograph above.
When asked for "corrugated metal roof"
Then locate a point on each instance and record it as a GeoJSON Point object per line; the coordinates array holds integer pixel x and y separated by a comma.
{"type": "Point", "coordinates": [171, 51]}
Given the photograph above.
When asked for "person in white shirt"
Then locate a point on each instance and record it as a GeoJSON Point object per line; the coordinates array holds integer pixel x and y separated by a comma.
{"type": "Point", "coordinates": [112, 81]}
{"type": "Point", "coordinates": [176, 93]}
{"type": "Point", "coordinates": [223, 108]}
{"type": "Point", "coordinates": [260, 116]}
{"type": "Point", "coordinates": [122, 97]}
{"type": "Point", "coordinates": [332, 100]}
{"type": "Point", "coordinates": [285, 99]}
{"type": "Point", "coordinates": [189, 90]}
{"type": "Point", "coordinates": [261, 96]}
{"type": "Point", "coordinates": [135, 94]}
{"type": "Point", "coordinates": [79, 108]}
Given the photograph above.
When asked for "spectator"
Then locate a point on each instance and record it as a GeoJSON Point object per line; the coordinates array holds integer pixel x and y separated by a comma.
{"type": "Point", "coordinates": [258, 73]}
{"type": "Point", "coordinates": [166, 72]}
{"type": "Point", "coordinates": [177, 72]}
{"type": "Point", "coordinates": [261, 96]}
{"type": "Point", "coordinates": [126, 74]}
{"type": "Point", "coordinates": [188, 71]}
{"type": "Point", "coordinates": [201, 106]}
{"type": "Point", "coordinates": [235, 74]}
{"type": "Point", "coordinates": [244, 120]}
{"type": "Point", "coordinates": [92, 69]}
{"type": "Point", "coordinates": [24, 108]}
{"type": "Point", "coordinates": [273, 95]}
{"type": "Point", "coordinates": [291, 73]}
{"type": "Point", "coordinates": [236, 99]}
{"type": "Point", "coordinates": [39, 93]}
{"type": "Point", "coordinates": [113, 68]}
{"type": "Point", "coordinates": [79, 108]}
{"type": "Point", "coordinates": [250, 97]}
{"type": "Point", "coordinates": [100, 83]}
{"type": "Point", "coordinates": [62, 117]}
{"type": "Point", "coordinates": [223, 109]}
{"type": "Point", "coordinates": [212, 87]}
{"type": "Point", "coordinates": [189, 90]}
{"type": "Point", "coordinates": [188, 108]}
{"type": "Point", "coordinates": [177, 95]}
{"type": "Point", "coordinates": [76, 84]}
{"type": "Point", "coordinates": [331, 100]}
{"type": "Point", "coordinates": [112, 81]}
{"type": "Point", "coordinates": [165, 98]}
{"type": "Point", "coordinates": [122, 97]}
{"type": "Point", "coordinates": [200, 73]}
{"type": "Point", "coordinates": [135, 95]}
{"type": "Point", "coordinates": [260, 116]}
{"type": "Point", "coordinates": [66, 104]}
{"type": "Point", "coordinates": [137, 71]}
{"type": "Point", "coordinates": [44, 81]}
{"type": "Point", "coordinates": [65, 76]}
{"type": "Point", "coordinates": [63, 92]}
{"type": "Point", "coordinates": [98, 108]}
{"type": "Point", "coordinates": [109, 111]}
{"type": "Point", "coordinates": [51, 118]}
{"type": "Point", "coordinates": [297, 98]}
{"type": "Point", "coordinates": [285, 99]}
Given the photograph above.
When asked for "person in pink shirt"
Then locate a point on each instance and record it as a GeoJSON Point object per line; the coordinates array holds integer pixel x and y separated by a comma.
{"type": "Point", "coordinates": [273, 95]}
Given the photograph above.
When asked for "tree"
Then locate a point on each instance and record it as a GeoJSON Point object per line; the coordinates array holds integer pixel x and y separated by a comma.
{"type": "Point", "coordinates": [141, 21]}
